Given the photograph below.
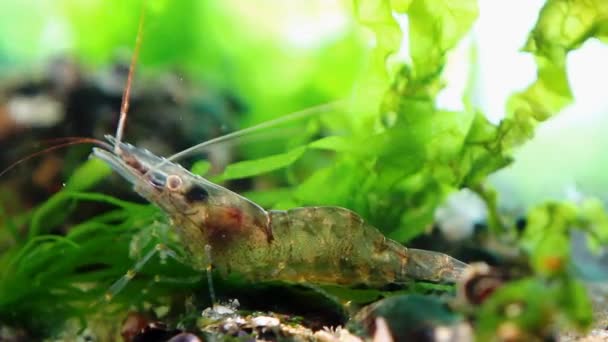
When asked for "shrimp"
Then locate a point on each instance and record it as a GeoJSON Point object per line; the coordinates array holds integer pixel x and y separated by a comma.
{"type": "Point", "coordinates": [319, 245]}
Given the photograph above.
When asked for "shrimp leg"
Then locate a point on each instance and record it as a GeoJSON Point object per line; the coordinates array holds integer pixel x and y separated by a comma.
{"type": "Point", "coordinates": [160, 249]}
{"type": "Point", "coordinates": [118, 285]}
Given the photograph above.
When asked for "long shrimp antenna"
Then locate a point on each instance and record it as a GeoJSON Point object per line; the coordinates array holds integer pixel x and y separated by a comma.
{"type": "Point", "coordinates": [124, 106]}
{"type": "Point", "coordinates": [299, 115]}
{"type": "Point", "coordinates": [69, 141]}
{"type": "Point", "coordinates": [294, 116]}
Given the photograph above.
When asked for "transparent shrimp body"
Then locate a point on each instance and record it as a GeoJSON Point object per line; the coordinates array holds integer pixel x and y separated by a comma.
{"type": "Point", "coordinates": [321, 245]}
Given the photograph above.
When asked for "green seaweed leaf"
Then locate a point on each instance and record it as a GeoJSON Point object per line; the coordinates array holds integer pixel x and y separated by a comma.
{"type": "Point", "coordinates": [263, 165]}
{"type": "Point", "coordinates": [546, 238]}
{"type": "Point", "coordinates": [418, 154]}
{"type": "Point", "coordinates": [562, 26]}
{"type": "Point", "coordinates": [88, 175]}
{"type": "Point", "coordinates": [435, 28]}
{"type": "Point", "coordinates": [377, 15]}
{"type": "Point", "coordinates": [201, 167]}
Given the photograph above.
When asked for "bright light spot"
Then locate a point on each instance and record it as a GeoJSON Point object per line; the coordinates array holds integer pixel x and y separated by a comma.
{"type": "Point", "coordinates": [301, 24]}
{"type": "Point", "coordinates": [457, 216]}
{"type": "Point", "coordinates": [456, 72]}
{"type": "Point", "coordinates": [501, 31]}
{"type": "Point", "coordinates": [56, 37]}
{"type": "Point", "coordinates": [403, 55]}
{"type": "Point", "coordinates": [35, 111]}
{"type": "Point", "coordinates": [586, 66]}
{"type": "Point", "coordinates": [309, 32]}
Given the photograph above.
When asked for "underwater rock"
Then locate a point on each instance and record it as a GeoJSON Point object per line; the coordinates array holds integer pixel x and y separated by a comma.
{"type": "Point", "coordinates": [411, 318]}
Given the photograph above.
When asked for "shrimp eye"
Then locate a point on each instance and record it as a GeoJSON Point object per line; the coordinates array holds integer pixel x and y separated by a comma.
{"type": "Point", "coordinates": [174, 182]}
{"type": "Point", "coordinates": [196, 194]}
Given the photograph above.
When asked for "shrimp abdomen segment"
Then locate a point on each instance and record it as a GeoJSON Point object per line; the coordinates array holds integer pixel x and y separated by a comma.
{"type": "Point", "coordinates": [334, 245]}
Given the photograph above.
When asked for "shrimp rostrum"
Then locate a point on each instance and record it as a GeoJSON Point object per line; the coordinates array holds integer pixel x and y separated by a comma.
{"type": "Point", "coordinates": [319, 245]}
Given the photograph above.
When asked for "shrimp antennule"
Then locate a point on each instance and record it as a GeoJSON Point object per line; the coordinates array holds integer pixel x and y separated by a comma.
{"type": "Point", "coordinates": [124, 106]}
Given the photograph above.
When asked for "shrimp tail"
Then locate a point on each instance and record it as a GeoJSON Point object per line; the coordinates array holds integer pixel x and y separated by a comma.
{"type": "Point", "coordinates": [401, 264]}
{"type": "Point", "coordinates": [433, 266]}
